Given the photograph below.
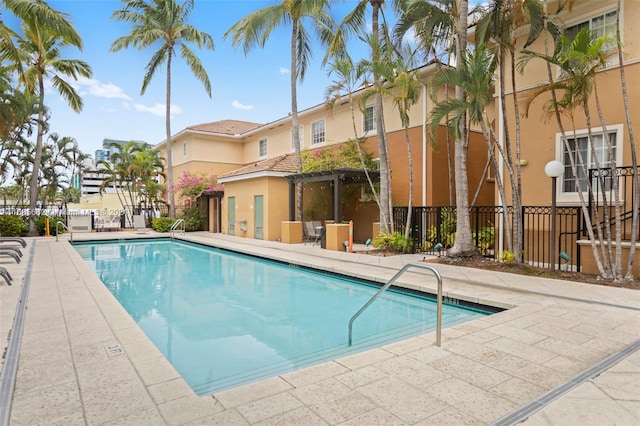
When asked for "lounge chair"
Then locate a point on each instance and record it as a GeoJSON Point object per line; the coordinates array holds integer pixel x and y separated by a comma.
{"type": "Point", "coordinates": [6, 275]}
{"type": "Point", "coordinates": [139, 224]}
{"type": "Point", "coordinates": [11, 254]}
{"type": "Point", "coordinates": [13, 249]}
{"type": "Point", "coordinates": [19, 240]}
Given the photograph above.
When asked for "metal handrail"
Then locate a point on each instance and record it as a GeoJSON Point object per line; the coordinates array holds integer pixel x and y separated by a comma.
{"type": "Point", "coordinates": [174, 227]}
{"type": "Point", "coordinates": [65, 227]}
{"type": "Point", "coordinates": [388, 284]}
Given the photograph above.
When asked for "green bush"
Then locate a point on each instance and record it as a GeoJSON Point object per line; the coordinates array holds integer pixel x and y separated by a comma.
{"type": "Point", "coordinates": [53, 220]}
{"type": "Point", "coordinates": [193, 219]}
{"type": "Point", "coordinates": [13, 226]}
{"type": "Point", "coordinates": [393, 242]}
{"type": "Point", "coordinates": [162, 224]}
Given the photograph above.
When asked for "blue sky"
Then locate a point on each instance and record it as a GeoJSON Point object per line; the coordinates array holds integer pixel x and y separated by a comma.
{"type": "Point", "coordinates": [252, 88]}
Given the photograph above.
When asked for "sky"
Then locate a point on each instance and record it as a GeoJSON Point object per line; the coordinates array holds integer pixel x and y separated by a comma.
{"type": "Point", "coordinates": [252, 88]}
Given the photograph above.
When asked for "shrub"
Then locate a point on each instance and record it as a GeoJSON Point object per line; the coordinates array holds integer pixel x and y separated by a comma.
{"type": "Point", "coordinates": [13, 226]}
{"type": "Point", "coordinates": [53, 220]}
{"type": "Point", "coordinates": [393, 242]}
{"type": "Point", "coordinates": [507, 257]}
{"type": "Point", "coordinates": [193, 219]}
{"type": "Point", "coordinates": [162, 224]}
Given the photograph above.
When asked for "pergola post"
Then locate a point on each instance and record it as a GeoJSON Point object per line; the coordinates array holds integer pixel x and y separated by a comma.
{"type": "Point", "coordinates": [292, 200]}
{"type": "Point", "coordinates": [337, 196]}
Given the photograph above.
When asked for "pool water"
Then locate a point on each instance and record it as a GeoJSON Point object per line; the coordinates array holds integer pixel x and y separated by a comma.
{"type": "Point", "coordinates": [224, 319]}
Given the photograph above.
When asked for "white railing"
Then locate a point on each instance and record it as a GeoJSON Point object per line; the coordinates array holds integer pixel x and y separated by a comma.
{"type": "Point", "coordinates": [178, 225]}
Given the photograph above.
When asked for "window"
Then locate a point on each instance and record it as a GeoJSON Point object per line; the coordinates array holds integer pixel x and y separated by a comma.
{"type": "Point", "coordinates": [317, 132]}
{"type": "Point", "coordinates": [262, 148]}
{"type": "Point", "coordinates": [601, 25]}
{"type": "Point", "coordinates": [301, 133]}
{"type": "Point", "coordinates": [578, 148]}
{"type": "Point", "coordinates": [184, 149]}
{"type": "Point", "coordinates": [369, 119]}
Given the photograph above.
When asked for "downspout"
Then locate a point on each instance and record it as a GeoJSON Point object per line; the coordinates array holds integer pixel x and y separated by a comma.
{"type": "Point", "coordinates": [424, 144]}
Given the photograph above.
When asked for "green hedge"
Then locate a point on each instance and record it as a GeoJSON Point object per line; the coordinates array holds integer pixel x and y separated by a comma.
{"type": "Point", "coordinates": [162, 224]}
{"type": "Point", "coordinates": [13, 226]}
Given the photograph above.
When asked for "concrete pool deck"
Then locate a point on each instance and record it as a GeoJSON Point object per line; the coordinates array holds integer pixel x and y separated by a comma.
{"type": "Point", "coordinates": [84, 361]}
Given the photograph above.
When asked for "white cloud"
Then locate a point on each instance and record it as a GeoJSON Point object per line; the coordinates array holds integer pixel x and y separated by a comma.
{"type": "Point", "coordinates": [127, 105]}
{"type": "Point", "coordinates": [158, 109]}
{"type": "Point", "coordinates": [238, 105]}
{"type": "Point", "coordinates": [98, 89]}
{"type": "Point", "coordinates": [107, 109]}
{"type": "Point", "coordinates": [284, 71]}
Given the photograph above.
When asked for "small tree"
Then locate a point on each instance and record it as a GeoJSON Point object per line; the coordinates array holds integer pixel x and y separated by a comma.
{"type": "Point", "coordinates": [190, 188]}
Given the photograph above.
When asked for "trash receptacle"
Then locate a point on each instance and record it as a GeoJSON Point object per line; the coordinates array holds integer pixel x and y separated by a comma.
{"type": "Point", "coordinates": [323, 237]}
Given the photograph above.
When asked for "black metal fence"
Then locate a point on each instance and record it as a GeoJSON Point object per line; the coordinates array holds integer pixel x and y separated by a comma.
{"type": "Point", "coordinates": [603, 202]}
{"type": "Point", "coordinates": [437, 224]}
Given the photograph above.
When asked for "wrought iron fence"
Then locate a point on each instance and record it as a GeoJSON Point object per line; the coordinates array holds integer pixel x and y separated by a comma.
{"type": "Point", "coordinates": [433, 231]}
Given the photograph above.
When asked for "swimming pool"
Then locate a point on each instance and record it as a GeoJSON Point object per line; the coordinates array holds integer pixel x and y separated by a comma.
{"type": "Point", "coordinates": [224, 319]}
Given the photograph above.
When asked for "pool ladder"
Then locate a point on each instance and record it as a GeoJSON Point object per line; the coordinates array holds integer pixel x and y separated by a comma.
{"type": "Point", "coordinates": [176, 227]}
{"type": "Point", "coordinates": [388, 284]}
{"type": "Point", "coordinates": [58, 223]}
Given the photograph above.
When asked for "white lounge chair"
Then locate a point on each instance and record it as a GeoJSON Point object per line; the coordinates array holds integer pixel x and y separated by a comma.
{"type": "Point", "coordinates": [139, 224]}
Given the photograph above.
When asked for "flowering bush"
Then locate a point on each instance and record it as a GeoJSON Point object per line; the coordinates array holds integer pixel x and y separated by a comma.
{"type": "Point", "coordinates": [191, 186]}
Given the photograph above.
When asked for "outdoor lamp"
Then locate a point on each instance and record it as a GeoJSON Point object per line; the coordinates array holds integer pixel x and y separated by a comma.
{"type": "Point", "coordinates": [438, 248]}
{"type": "Point", "coordinates": [554, 170]}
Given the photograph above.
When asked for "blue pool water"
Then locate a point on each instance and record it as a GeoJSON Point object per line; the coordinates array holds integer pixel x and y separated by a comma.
{"type": "Point", "coordinates": [225, 319]}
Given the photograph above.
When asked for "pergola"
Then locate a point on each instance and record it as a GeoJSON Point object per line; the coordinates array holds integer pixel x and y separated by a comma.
{"type": "Point", "coordinates": [336, 178]}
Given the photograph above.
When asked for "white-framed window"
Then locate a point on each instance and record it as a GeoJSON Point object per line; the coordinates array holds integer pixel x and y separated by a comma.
{"type": "Point", "coordinates": [301, 134]}
{"type": "Point", "coordinates": [317, 132]}
{"type": "Point", "coordinates": [369, 119]}
{"type": "Point", "coordinates": [603, 24]}
{"type": "Point", "coordinates": [262, 148]}
{"type": "Point", "coordinates": [184, 149]}
{"type": "Point", "coordinates": [578, 149]}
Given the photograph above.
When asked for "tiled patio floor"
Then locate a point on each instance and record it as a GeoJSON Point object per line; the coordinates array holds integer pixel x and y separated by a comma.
{"type": "Point", "coordinates": [84, 361]}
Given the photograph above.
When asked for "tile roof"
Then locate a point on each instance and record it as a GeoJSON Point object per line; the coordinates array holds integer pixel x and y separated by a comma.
{"type": "Point", "coordinates": [229, 127]}
{"type": "Point", "coordinates": [284, 164]}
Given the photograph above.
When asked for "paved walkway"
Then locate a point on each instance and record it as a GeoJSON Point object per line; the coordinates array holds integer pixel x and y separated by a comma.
{"type": "Point", "coordinates": [84, 361]}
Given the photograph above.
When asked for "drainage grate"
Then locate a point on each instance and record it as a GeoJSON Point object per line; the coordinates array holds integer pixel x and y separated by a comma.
{"type": "Point", "coordinates": [527, 410]}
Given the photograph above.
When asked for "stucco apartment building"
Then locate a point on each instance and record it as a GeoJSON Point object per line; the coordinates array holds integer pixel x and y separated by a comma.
{"type": "Point", "coordinates": [253, 160]}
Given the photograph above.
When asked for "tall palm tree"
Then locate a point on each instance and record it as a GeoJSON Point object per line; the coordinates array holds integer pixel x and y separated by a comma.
{"type": "Point", "coordinates": [579, 60]}
{"type": "Point", "coordinates": [498, 27]}
{"type": "Point", "coordinates": [164, 23]}
{"type": "Point", "coordinates": [355, 24]}
{"type": "Point", "coordinates": [255, 29]}
{"type": "Point", "coordinates": [40, 48]}
{"type": "Point", "coordinates": [445, 23]}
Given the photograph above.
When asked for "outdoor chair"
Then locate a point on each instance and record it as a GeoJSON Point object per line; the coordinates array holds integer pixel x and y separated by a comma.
{"type": "Point", "coordinates": [5, 274]}
{"type": "Point", "coordinates": [11, 249]}
{"type": "Point", "coordinates": [18, 240]}
{"type": "Point", "coordinates": [139, 224]}
{"type": "Point", "coordinates": [12, 254]}
{"type": "Point", "coordinates": [313, 230]}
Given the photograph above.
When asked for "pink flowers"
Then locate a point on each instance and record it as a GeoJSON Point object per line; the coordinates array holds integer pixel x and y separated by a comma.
{"type": "Point", "coordinates": [191, 186]}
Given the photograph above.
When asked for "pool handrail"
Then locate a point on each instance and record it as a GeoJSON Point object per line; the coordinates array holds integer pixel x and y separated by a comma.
{"type": "Point", "coordinates": [65, 227]}
{"type": "Point", "coordinates": [175, 226]}
{"type": "Point", "coordinates": [389, 283]}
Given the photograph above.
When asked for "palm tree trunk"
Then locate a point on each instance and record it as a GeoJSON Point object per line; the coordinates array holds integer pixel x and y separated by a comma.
{"type": "Point", "coordinates": [172, 206]}
{"type": "Point", "coordinates": [294, 118]}
{"type": "Point", "coordinates": [463, 245]}
{"type": "Point", "coordinates": [634, 159]}
{"type": "Point", "coordinates": [33, 187]}
{"type": "Point", "coordinates": [386, 224]}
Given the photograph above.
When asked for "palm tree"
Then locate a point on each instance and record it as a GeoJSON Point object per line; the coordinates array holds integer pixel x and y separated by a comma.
{"type": "Point", "coordinates": [39, 48]}
{"type": "Point", "coordinates": [579, 60]}
{"type": "Point", "coordinates": [354, 23]}
{"type": "Point", "coordinates": [402, 85]}
{"type": "Point", "coordinates": [164, 23]}
{"type": "Point", "coordinates": [498, 27]}
{"type": "Point", "coordinates": [255, 29]}
{"type": "Point", "coordinates": [445, 23]}
{"type": "Point", "coordinates": [130, 170]}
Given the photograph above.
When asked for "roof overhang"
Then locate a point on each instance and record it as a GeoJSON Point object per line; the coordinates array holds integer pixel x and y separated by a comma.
{"type": "Point", "coordinates": [256, 175]}
{"type": "Point", "coordinates": [347, 176]}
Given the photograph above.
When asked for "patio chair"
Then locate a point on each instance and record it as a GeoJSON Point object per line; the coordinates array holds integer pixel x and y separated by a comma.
{"type": "Point", "coordinates": [139, 224]}
{"type": "Point", "coordinates": [18, 240]}
{"type": "Point", "coordinates": [11, 254]}
{"type": "Point", "coordinates": [11, 249]}
{"type": "Point", "coordinates": [6, 275]}
{"type": "Point", "coordinates": [313, 232]}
